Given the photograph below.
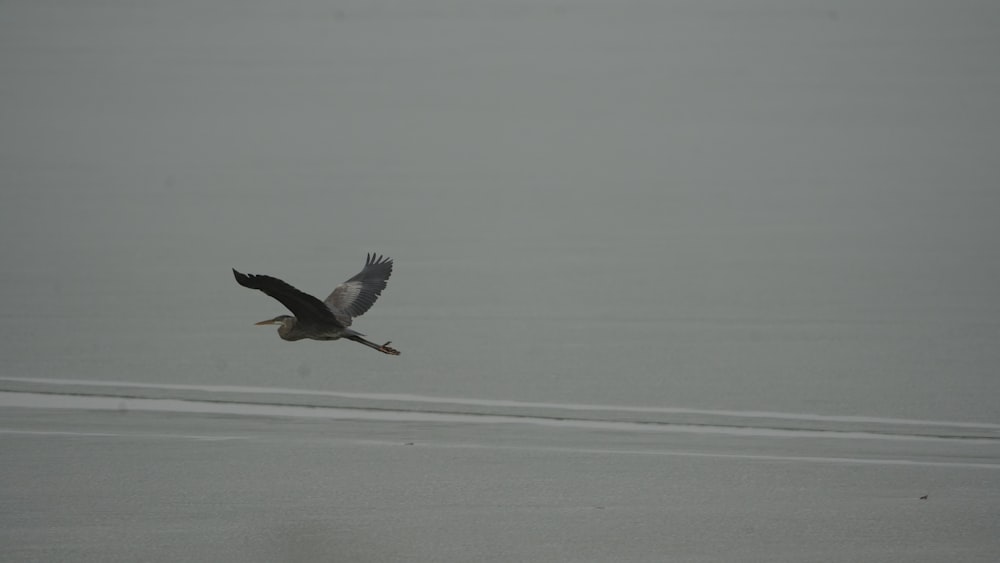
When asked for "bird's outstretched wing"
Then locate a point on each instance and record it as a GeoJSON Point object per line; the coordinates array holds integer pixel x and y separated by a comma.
{"type": "Point", "coordinates": [305, 307]}
{"type": "Point", "coordinates": [358, 294]}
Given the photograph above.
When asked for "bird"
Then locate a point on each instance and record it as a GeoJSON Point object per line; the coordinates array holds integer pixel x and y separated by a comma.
{"type": "Point", "coordinates": [331, 318]}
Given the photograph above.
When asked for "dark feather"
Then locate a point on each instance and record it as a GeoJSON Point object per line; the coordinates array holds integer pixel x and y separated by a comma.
{"type": "Point", "coordinates": [305, 307]}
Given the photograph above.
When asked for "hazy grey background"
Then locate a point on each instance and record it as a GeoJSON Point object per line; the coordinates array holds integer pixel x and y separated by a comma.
{"type": "Point", "coordinates": [727, 204]}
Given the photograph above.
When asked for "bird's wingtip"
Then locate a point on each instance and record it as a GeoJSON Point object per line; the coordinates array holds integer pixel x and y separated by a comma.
{"type": "Point", "coordinates": [376, 258]}
{"type": "Point", "coordinates": [243, 279]}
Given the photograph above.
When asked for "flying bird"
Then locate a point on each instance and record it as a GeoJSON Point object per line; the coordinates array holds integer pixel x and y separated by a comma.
{"type": "Point", "coordinates": [328, 319]}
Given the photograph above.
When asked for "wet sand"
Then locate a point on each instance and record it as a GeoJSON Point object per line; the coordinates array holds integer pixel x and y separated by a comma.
{"type": "Point", "coordinates": [120, 482]}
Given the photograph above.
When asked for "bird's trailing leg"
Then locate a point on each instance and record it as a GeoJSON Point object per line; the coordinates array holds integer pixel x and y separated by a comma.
{"type": "Point", "coordinates": [384, 348]}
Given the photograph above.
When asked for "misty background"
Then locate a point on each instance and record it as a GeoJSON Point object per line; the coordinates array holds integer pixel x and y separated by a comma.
{"type": "Point", "coordinates": [770, 205]}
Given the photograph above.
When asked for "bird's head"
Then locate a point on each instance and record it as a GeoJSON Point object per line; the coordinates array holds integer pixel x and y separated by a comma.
{"type": "Point", "coordinates": [283, 320]}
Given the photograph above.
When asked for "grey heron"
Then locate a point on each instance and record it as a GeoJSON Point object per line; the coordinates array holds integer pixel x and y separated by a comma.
{"type": "Point", "coordinates": [331, 318]}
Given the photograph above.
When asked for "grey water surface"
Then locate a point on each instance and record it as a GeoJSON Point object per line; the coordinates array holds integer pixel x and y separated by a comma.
{"type": "Point", "coordinates": [765, 205]}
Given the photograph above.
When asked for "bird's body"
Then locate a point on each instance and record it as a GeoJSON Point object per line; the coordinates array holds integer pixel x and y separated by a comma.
{"type": "Point", "coordinates": [289, 328]}
{"type": "Point", "coordinates": [328, 319]}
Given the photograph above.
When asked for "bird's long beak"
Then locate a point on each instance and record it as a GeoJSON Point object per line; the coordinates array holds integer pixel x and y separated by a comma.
{"type": "Point", "coordinates": [267, 322]}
